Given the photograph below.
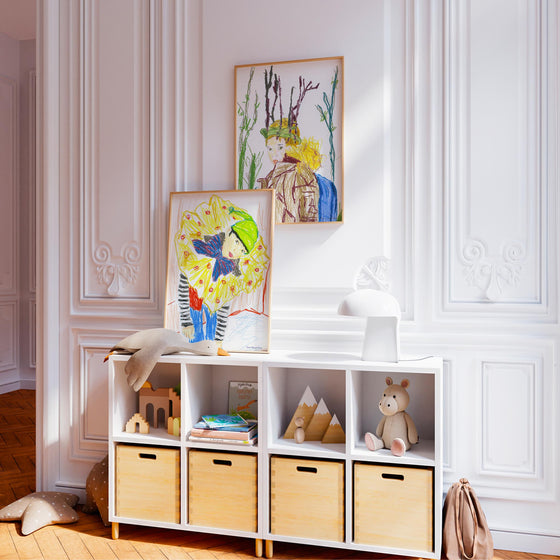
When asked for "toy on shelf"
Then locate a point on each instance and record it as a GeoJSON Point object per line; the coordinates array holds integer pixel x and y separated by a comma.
{"type": "Point", "coordinates": [306, 408]}
{"type": "Point", "coordinates": [319, 422]}
{"type": "Point", "coordinates": [137, 420]}
{"type": "Point", "coordinates": [156, 404]}
{"type": "Point", "coordinates": [314, 422]}
{"type": "Point", "coordinates": [334, 432]}
{"type": "Point", "coordinates": [174, 425]}
{"type": "Point", "coordinates": [299, 433]}
{"type": "Point", "coordinates": [148, 345]}
{"type": "Point", "coordinates": [396, 430]}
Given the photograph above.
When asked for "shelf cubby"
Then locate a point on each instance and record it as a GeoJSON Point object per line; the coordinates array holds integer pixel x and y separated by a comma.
{"type": "Point", "coordinates": [285, 387]}
{"type": "Point", "coordinates": [365, 392]}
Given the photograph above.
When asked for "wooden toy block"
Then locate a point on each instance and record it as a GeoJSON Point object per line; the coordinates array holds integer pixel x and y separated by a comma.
{"type": "Point", "coordinates": [174, 426]}
{"type": "Point", "coordinates": [319, 423]}
{"type": "Point", "coordinates": [155, 404]}
{"type": "Point", "coordinates": [137, 420]}
{"type": "Point", "coordinates": [306, 409]}
{"type": "Point", "coordinates": [334, 432]}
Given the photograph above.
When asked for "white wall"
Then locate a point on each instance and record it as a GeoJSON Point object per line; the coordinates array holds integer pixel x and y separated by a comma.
{"type": "Point", "coordinates": [17, 173]}
{"type": "Point", "coordinates": [451, 154]}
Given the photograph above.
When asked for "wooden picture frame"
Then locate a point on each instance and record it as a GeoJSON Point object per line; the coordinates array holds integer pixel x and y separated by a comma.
{"type": "Point", "coordinates": [289, 136]}
{"type": "Point", "coordinates": [219, 267]}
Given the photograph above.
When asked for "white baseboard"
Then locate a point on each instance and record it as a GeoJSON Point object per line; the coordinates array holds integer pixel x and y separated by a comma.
{"type": "Point", "coordinates": [526, 542]}
{"type": "Point", "coordinates": [17, 385]}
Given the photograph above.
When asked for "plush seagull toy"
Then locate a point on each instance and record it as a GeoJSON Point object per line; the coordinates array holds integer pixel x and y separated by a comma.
{"type": "Point", "coordinates": [148, 345]}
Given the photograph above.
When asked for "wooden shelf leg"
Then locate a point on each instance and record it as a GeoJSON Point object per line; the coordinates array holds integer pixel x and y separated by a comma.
{"type": "Point", "coordinates": [115, 530]}
{"type": "Point", "coordinates": [268, 550]}
{"type": "Point", "coordinates": [258, 548]}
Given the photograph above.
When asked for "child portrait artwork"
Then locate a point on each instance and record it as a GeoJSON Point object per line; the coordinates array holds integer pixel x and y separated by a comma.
{"type": "Point", "coordinates": [218, 271]}
{"type": "Point", "coordinates": [289, 136]}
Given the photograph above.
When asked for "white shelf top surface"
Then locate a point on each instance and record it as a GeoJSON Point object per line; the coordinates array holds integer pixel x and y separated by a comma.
{"type": "Point", "coordinates": [332, 360]}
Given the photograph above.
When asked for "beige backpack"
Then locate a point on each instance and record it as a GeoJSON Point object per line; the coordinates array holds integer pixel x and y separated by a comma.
{"type": "Point", "coordinates": [465, 531]}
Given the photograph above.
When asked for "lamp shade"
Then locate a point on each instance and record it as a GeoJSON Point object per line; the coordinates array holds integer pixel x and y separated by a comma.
{"type": "Point", "coordinates": [370, 303]}
{"type": "Point", "coordinates": [383, 313]}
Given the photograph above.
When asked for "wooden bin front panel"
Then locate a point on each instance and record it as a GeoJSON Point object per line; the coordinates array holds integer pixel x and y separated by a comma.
{"type": "Point", "coordinates": [307, 498]}
{"type": "Point", "coordinates": [393, 506]}
{"type": "Point", "coordinates": [223, 490]}
{"type": "Point", "coordinates": [148, 483]}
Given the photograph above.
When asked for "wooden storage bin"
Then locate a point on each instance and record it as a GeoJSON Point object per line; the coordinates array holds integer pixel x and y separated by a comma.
{"type": "Point", "coordinates": [393, 506]}
{"type": "Point", "coordinates": [148, 483]}
{"type": "Point", "coordinates": [307, 498]}
{"type": "Point", "coordinates": [223, 490]}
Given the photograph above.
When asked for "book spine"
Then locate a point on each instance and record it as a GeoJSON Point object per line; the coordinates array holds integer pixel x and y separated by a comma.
{"type": "Point", "coordinates": [219, 434]}
{"type": "Point", "coordinates": [220, 440]}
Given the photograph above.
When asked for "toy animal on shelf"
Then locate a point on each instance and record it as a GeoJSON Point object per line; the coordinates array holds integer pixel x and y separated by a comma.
{"type": "Point", "coordinates": [396, 430]}
{"type": "Point", "coordinates": [148, 345]}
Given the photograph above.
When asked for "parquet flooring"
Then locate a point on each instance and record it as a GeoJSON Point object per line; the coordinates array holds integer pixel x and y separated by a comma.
{"type": "Point", "coordinates": [89, 539]}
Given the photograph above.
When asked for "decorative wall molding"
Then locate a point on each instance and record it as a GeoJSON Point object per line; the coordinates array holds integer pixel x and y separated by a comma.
{"type": "Point", "coordinates": [8, 338]}
{"type": "Point", "coordinates": [9, 181]}
{"type": "Point", "coordinates": [520, 383]}
{"type": "Point", "coordinates": [116, 218]}
{"type": "Point", "coordinates": [32, 174]}
{"type": "Point", "coordinates": [374, 274]}
{"type": "Point", "coordinates": [492, 274]}
{"type": "Point", "coordinates": [495, 149]}
{"type": "Point", "coordinates": [116, 272]}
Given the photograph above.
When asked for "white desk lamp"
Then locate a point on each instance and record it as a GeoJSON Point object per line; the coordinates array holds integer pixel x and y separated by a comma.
{"type": "Point", "coordinates": [383, 313]}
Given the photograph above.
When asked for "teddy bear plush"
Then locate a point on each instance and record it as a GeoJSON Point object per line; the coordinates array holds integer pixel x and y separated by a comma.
{"type": "Point", "coordinates": [396, 430]}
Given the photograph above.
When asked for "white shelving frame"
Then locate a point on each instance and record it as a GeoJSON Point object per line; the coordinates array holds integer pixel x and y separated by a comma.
{"type": "Point", "coordinates": [351, 389]}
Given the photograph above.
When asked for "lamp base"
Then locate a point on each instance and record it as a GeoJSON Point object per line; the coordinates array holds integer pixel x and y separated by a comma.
{"type": "Point", "coordinates": [381, 341]}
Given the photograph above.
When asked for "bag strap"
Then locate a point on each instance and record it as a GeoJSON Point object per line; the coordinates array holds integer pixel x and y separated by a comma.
{"type": "Point", "coordinates": [460, 496]}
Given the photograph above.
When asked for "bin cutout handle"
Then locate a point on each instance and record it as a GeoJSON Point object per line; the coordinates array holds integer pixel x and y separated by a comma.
{"type": "Point", "coordinates": [222, 462]}
{"type": "Point", "coordinates": [392, 476]}
{"type": "Point", "coordinates": [151, 456]}
{"type": "Point", "coordinates": [306, 469]}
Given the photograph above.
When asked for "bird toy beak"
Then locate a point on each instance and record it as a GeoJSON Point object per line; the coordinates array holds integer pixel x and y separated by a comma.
{"type": "Point", "coordinates": [222, 352]}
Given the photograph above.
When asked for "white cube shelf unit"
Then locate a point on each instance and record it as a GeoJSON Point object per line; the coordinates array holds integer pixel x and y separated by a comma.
{"type": "Point", "coordinates": [347, 484]}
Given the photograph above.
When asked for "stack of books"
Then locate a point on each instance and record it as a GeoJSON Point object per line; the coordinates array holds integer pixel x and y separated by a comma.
{"type": "Point", "coordinates": [225, 428]}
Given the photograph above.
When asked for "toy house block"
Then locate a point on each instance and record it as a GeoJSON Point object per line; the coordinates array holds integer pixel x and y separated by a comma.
{"type": "Point", "coordinates": [306, 409]}
{"type": "Point", "coordinates": [174, 425]}
{"type": "Point", "coordinates": [137, 420]}
{"type": "Point", "coordinates": [334, 432]}
{"type": "Point", "coordinates": [157, 405]}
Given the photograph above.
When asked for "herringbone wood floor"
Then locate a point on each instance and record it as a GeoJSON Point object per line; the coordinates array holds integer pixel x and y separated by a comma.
{"type": "Point", "coordinates": [88, 539]}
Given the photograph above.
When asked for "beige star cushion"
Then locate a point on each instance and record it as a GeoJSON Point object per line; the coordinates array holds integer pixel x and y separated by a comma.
{"type": "Point", "coordinates": [41, 509]}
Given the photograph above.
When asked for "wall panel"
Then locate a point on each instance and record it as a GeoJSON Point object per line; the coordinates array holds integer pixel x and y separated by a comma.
{"type": "Point", "coordinates": [494, 185]}
{"type": "Point", "coordinates": [116, 222]}
{"type": "Point", "coordinates": [9, 183]}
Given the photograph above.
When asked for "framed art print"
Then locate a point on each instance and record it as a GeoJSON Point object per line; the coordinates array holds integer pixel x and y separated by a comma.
{"type": "Point", "coordinates": [218, 267]}
{"type": "Point", "coordinates": [289, 133]}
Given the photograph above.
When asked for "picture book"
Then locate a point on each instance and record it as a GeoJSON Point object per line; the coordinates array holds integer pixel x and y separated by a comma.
{"type": "Point", "coordinates": [243, 399]}
{"type": "Point", "coordinates": [242, 433]}
{"type": "Point", "coordinates": [224, 420]}
{"type": "Point", "coordinates": [251, 441]}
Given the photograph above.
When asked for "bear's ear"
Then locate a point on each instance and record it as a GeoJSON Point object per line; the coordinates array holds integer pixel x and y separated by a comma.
{"type": "Point", "coordinates": [405, 383]}
{"type": "Point", "coordinates": [388, 380]}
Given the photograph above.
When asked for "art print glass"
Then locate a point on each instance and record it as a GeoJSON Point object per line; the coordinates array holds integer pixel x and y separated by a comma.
{"type": "Point", "coordinates": [219, 266]}
{"type": "Point", "coordinates": [289, 135]}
